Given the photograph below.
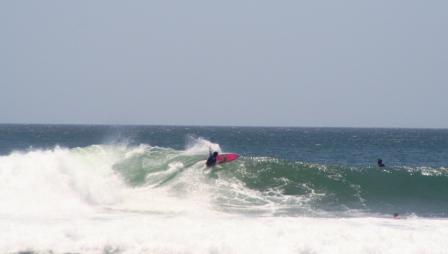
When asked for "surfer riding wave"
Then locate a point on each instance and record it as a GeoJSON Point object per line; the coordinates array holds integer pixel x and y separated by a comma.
{"type": "Point", "coordinates": [212, 159]}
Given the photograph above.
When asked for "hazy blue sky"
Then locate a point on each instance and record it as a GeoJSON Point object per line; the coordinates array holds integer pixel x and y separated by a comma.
{"type": "Point", "coordinates": [381, 63]}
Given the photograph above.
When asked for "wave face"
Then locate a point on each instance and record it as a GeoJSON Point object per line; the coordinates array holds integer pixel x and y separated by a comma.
{"type": "Point", "coordinates": [48, 181]}
{"type": "Point", "coordinates": [277, 187]}
{"type": "Point", "coordinates": [351, 190]}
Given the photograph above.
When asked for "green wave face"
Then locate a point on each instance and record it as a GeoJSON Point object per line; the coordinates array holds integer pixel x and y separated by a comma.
{"type": "Point", "coordinates": [341, 189]}
{"type": "Point", "coordinates": [153, 166]}
{"type": "Point", "coordinates": [278, 187]}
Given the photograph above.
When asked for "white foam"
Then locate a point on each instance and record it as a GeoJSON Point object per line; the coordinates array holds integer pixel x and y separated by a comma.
{"type": "Point", "coordinates": [152, 233]}
{"type": "Point", "coordinates": [58, 181]}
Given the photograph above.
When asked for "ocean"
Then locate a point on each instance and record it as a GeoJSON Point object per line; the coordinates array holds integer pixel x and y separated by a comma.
{"type": "Point", "coordinates": [145, 189]}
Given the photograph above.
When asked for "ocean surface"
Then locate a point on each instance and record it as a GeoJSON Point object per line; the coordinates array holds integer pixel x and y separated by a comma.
{"type": "Point", "coordinates": [145, 189]}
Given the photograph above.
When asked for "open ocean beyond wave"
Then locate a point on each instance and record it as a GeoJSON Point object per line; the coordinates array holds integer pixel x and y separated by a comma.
{"type": "Point", "coordinates": [145, 189]}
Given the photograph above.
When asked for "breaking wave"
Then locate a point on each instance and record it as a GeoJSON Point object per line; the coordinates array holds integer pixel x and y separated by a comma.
{"type": "Point", "coordinates": [146, 199]}
{"type": "Point", "coordinates": [163, 180]}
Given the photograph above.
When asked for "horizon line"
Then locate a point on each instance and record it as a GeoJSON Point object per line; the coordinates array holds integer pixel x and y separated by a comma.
{"type": "Point", "coordinates": [224, 126]}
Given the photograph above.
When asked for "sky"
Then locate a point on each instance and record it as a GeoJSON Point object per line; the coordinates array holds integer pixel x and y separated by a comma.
{"type": "Point", "coordinates": [353, 63]}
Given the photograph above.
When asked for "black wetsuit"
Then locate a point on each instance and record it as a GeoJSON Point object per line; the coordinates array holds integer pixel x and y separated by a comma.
{"type": "Point", "coordinates": [211, 161]}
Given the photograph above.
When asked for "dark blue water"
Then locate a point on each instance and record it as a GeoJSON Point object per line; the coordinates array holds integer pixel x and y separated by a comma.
{"type": "Point", "coordinates": [335, 146]}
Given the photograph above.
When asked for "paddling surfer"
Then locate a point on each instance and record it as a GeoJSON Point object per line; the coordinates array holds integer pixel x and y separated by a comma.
{"type": "Point", "coordinates": [380, 163]}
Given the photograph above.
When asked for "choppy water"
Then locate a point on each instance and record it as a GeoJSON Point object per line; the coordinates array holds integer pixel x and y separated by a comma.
{"type": "Point", "coordinates": [140, 189]}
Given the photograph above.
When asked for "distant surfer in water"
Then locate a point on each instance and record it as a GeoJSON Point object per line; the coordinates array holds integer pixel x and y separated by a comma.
{"type": "Point", "coordinates": [380, 163]}
{"type": "Point", "coordinates": [211, 161]}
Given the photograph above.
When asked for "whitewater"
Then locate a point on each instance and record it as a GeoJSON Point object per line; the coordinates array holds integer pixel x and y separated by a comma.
{"type": "Point", "coordinates": [143, 198]}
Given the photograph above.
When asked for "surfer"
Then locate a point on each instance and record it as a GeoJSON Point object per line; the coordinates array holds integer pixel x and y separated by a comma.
{"type": "Point", "coordinates": [211, 161]}
{"type": "Point", "coordinates": [380, 163]}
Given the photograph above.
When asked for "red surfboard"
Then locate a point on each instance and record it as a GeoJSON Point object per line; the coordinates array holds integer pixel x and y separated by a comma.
{"type": "Point", "coordinates": [226, 157]}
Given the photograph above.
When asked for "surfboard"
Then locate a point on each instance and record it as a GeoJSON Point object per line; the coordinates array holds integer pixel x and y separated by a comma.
{"type": "Point", "coordinates": [226, 157]}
